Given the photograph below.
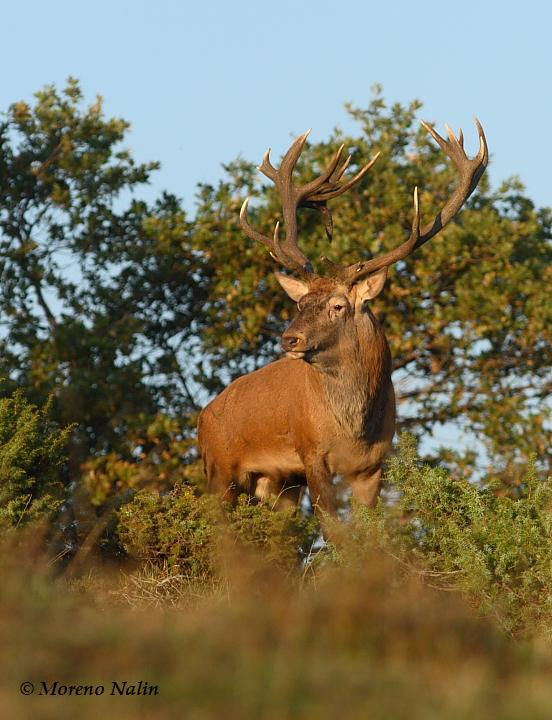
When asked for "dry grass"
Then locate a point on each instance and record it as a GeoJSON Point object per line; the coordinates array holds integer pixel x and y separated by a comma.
{"type": "Point", "coordinates": [369, 640]}
{"type": "Point", "coordinates": [153, 586]}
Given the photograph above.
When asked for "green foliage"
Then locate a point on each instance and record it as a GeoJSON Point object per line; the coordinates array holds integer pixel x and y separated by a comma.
{"type": "Point", "coordinates": [468, 316]}
{"type": "Point", "coordinates": [32, 462]}
{"type": "Point", "coordinates": [491, 544]}
{"type": "Point", "coordinates": [97, 298]}
{"type": "Point", "coordinates": [283, 538]}
{"type": "Point", "coordinates": [156, 453]}
{"type": "Point", "coordinates": [132, 314]}
{"type": "Point", "coordinates": [180, 528]}
{"type": "Point", "coordinates": [195, 533]}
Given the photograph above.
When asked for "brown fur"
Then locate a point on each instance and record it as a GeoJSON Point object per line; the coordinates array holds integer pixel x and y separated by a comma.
{"type": "Point", "coordinates": [307, 419]}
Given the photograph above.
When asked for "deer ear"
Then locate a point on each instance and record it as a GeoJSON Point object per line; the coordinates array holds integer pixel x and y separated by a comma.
{"type": "Point", "coordinates": [371, 286]}
{"type": "Point", "coordinates": [294, 288]}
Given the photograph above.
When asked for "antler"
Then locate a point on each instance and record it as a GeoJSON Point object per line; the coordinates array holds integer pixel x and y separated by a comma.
{"type": "Point", "coordinates": [470, 172]}
{"type": "Point", "coordinates": [313, 194]}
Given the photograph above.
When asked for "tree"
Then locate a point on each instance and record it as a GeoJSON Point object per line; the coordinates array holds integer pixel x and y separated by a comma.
{"type": "Point", "coordinates": [100, 291]}
{"type": "Point", "coordinates": [132, 313]}
{"type": "Point", "coordinates": [468, 316]}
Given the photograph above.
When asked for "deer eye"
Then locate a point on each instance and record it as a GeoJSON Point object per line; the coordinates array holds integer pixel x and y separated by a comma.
{"type": "Point", "coordinates": [337, 307]}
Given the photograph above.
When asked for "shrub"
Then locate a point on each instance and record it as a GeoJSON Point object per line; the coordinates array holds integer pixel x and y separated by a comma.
{"type": "Point", "coordinates": [32, 460]}
{"type": "Point", "coordinates": [190, 531]}
{"type": "Point", "coordinates": [492, 546]}
{"type": "Point", "coordinates": [178, 527]}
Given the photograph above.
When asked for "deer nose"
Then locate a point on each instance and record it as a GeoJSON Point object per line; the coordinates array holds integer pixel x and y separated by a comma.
{"type": "Point", "coordinates": [293, 341]}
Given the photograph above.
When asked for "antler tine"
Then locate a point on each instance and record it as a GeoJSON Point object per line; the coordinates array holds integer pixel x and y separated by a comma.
{"type": "Point", "coordinates": [315, 194]}
{"type": "Point", "coordinates": [273, 244]}
{"type": "Point", "coordinates": [461, 138]}
{"type": "Point", "coordinates": [469, 170]}
{"type": "Point", "coordinates": [248, 229]}
{"type": "Point", "coordinates": [306, 191]}
{"type": "Point", "coordinates": [483, 153]}
{"type": "Point", "coordinates": [333, 189]}
{"type": "Point", "coordinates": [289, 161]}
{"type": "Point", "coordinates": [361, 269]}
{"type": "Point", "coordinates": [341, 171]}
{"type": "Point", "coordinates": [266, 167]}
{"type": "Point", "coordinates": [277, 253]}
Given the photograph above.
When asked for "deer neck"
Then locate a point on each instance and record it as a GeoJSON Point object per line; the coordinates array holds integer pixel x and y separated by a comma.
{"type": "Point", "coordinates": [356, 380]}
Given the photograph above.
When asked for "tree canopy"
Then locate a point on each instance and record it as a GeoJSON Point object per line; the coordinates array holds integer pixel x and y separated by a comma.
{"type": "Point", "coordinates": [98, 294]}
{"type": "Point", "coordinates": [121, 317]}
{"type": "Point", "coordinates": [468, 316]}
{"type": "Point", "coordinates": [128, 311]}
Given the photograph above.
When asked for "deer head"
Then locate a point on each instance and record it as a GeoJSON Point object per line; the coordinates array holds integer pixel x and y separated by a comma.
{"type": "Point", "coordinates": [332, 305]}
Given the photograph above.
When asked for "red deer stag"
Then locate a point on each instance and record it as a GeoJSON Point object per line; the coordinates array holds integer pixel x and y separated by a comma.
{"type": "Point", "coordinates": [328, 407]}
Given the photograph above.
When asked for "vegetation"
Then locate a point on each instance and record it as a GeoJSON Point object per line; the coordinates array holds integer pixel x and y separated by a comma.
{"type": "Point", "coordinates": [128, 311]}
{"type": "Point", "coordinates": [96, 295]}
{"type": "Point", "coordinates": [32, 458]}
{"type": "Point", "coordinates": [121, 317]}
{"type": "Point", "coordinates": [189, 532]}
{"type": "Point", "coordinates": [363, 629]}
{"type": "Point", "coordinates": [491, 545]}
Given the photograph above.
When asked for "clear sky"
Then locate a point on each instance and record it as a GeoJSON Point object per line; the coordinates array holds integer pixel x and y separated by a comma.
{"type": "Point", "coordinates": [202, 82]}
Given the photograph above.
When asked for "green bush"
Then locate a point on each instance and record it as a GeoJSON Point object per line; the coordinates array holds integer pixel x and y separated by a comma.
{"type": "Point", "coordinates": [494, 547]}
{"type": "Point", "coordinates": [481, 540]}
{"type": "Point", "coordinates": [32, 460]}
{"type": "Point", "coordinates": [191, 532]}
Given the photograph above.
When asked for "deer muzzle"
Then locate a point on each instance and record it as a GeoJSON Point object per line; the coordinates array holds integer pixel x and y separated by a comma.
{"type": "Point", "coordinates": [294, 343]}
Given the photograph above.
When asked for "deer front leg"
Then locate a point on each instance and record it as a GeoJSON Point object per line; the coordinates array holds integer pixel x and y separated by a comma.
{"type": "Point", "coordinates": [321, 488]}
{"type": "Point", "coordinates": [221, 481]}
{"type": "Point", "coordinates": [366, 486]}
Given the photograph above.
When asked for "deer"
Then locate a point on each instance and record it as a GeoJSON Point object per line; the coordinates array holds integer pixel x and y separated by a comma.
{"type": "Point", "coordinates": [327, 408]}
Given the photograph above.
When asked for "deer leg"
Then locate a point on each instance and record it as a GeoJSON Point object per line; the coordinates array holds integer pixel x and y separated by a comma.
{"type": "Point", "coordinates": [321, 489]}
{"type": "Point", "coordinates": [366, 486]}
{"type": "Point", "coordinates": [221, 483]}
{"type": "Point", "coordinates": [278, 494]}
{"type": "Point", "coordinates": [264, 488]}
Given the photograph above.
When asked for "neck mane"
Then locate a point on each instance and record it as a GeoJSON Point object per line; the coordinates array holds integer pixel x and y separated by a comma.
{"type": "Point", "coordinates": [357, 384]}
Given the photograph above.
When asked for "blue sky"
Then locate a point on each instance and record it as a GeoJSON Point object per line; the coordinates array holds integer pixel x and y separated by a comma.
{"type": "Point", "coordinates": [202, 82]}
